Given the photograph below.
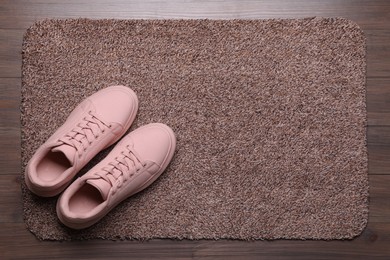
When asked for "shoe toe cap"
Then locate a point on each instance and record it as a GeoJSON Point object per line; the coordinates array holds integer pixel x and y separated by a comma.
{"type": "Point", "coordinates": [115, 104]}
{"type": "Point", "coordinates": [154, 142]}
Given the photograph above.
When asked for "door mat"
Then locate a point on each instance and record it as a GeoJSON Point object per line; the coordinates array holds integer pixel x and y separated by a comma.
{"type": "Point", "coordinates": [270, 119]}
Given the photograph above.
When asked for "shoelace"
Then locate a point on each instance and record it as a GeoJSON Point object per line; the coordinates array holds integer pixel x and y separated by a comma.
{"type": "Point", "coordinates": [85, 133]}
{"type": "Point", "coordinates": [121, 169]}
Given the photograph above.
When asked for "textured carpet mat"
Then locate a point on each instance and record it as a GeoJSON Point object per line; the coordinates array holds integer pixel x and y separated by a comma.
{"type": "Point", "coordinates": [270, 119]}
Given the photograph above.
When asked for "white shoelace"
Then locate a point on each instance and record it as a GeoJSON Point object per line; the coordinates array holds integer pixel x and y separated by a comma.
{"type": "Point", "coordinates": [82, 136]}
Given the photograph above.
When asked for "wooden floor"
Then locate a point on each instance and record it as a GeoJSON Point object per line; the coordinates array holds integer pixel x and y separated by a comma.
{"type": "Point", "coordinates": [373, 17]}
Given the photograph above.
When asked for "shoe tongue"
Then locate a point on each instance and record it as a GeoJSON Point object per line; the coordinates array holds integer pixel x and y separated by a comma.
{"type": "Point", "coordinates": [67, 150]}
{"type": "Point", "coordinates": [101, 185]}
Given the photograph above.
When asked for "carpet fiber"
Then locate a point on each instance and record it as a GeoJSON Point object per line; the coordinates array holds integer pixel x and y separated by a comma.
{"type": "Point", "coordinates": [270, 118]}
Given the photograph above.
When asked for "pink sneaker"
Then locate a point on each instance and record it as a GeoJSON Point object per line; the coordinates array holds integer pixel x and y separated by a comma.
{"type": "Point", "coordinates": [135, 162]}
{"type": "Point", "coordinates": [96, 123]}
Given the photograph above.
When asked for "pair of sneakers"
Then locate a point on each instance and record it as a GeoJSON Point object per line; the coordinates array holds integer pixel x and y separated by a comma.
{"type": "Point", "coordinates": [132, 165]}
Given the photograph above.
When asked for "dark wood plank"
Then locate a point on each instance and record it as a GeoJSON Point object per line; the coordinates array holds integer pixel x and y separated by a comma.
{"type": "Point", "coordinates": [378, 101]}
{"type": "Point", "coordinates": [378, 52]}
{"type": "Point", "coordinates": [10, 52]}
{"type": "Point", "coordinates": [378, 159]}
{"type": "Point", "coordinates": [372, 243]}
{"type": "Point", "coordinates": [10, 199]}
{"type": "Point", "coordinates": [10, 102]}
{"type": "Point", "coordinates": [10, 126]}
{"type": "Point", "coordinates": [379, 118]}
{"type": "Point", "coordinates": [379, 198]}
{"type": "Point", "coordinates": [378, 135]}
{"type": "Point", "coordinates": [21, 13]}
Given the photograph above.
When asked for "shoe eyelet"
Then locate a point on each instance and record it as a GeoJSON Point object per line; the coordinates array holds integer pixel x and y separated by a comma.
{"type": "Point", "coordinates": [109, 126]}
{"type": "Point", "coordinates": [85, 149]}
{"type": "Point", "coordinates": [96, 136]}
